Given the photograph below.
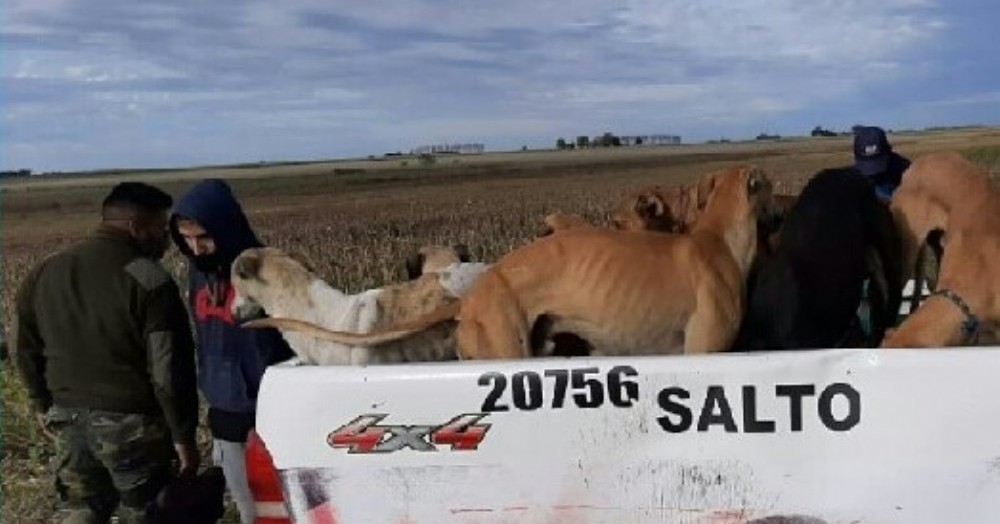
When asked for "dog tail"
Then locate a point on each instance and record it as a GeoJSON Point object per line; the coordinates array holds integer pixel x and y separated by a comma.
{"type": "Point", "coordinates": [373, 338]}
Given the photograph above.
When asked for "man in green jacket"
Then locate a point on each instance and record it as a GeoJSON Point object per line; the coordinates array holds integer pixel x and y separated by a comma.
{"type": "Point", "coordinates": [104, 347]}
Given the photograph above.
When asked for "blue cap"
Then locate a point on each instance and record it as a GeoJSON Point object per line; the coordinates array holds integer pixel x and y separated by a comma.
{"type": "Point", "coordinates": [871, 150]}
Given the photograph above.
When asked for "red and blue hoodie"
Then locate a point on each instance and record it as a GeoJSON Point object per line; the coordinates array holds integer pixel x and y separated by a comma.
{"type": "Point", "coordinates": [231, 359]}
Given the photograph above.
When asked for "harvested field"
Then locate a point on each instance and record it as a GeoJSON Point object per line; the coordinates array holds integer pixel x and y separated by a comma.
{"type": "Point", "coordinates": [358, 220]}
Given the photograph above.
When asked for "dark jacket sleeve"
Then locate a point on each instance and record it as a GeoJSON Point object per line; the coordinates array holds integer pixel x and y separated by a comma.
{"type": "Point", "coordinates": [275, 349]}
{"type": "Point", "coordinates": [29, 346]}
{"type": "Point", "coordinates": [170, 353]}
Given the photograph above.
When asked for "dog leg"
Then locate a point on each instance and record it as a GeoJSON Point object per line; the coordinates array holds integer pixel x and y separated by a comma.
{"type": "Point", "coordinates": [932, 264]}
{"type": "Point", "coordinates": [492, 324]}
{"type": "Point", "coordinates": [880, 314]}
{"type": "Point", "coordinates": [918, 278]}
{"type": "Point", "coordinates": [711, 329]}
{"type": "Point", "coordinates": [478, 340]}
{"type": "Point", "coordinates": [936, 324]}
{"type": "Point", "coordinates": [563, 344]}
{"type": "Point", "coordinates": [927, 266]}
{"type": "Point", "coordinates": [499, 338]}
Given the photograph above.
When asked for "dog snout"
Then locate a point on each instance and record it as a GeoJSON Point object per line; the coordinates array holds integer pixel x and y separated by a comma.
{"type": "Point", "coordinates": [244, 310]}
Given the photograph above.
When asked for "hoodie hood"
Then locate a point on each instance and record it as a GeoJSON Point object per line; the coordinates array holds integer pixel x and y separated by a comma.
{"type": "Point", "coordinates": [211, 203]}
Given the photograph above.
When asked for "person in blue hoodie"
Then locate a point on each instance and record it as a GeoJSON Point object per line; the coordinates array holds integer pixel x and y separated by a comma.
{"type": "Point", "coordinates": [210, 229]}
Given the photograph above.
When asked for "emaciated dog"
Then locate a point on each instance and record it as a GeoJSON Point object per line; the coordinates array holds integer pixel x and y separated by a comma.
{"type": "Point", "coordinates": [673, 210]}
{"type": "Point", "coordinates": [654, 208]}
{"type": "Point", "coordinates": [946, 195]}
{"type": "Point", "coordinates": [627, 292]}
{"type": "Point", "coordinates": [806, 295]}
{"type": "Point", "coordinates": [268, 279]}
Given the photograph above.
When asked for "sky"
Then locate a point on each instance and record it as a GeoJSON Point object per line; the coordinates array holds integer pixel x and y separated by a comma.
{"type": "Point", "coordinates": [118, 84]}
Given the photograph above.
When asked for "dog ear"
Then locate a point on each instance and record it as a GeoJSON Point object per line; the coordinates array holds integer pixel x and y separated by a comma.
{"type": "Point", "coordinates": [247, 265]}
{"type": "Point", "coordinates": [649, 206]}
{"type": "Point", "coordinates": [704, 188]}
{"type": "Point", "coordinates": [414, 265]}
{"type": "Point", "coordinates": [302, 258]}
{"type": "Point", "coordinates": [462, 250]}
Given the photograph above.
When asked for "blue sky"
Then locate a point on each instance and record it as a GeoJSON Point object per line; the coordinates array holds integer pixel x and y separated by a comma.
{"type": "Point", "coordinates": [112, 83]}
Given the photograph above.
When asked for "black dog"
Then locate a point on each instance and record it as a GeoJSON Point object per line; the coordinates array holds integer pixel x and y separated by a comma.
{"type": "Point", "coordinates": [195, 499]}
{"type": "Point", "coordinates": [807, 293]}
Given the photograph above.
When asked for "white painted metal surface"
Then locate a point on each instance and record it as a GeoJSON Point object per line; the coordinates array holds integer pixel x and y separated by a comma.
{"type": "Point", "coordinates": [908, 288]}
{"type": "Point", "coordinates": [839, 436]}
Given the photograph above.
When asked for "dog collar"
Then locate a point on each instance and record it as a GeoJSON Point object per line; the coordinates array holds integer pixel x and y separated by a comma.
{"type": "Point", "coordinates": [971, 323]}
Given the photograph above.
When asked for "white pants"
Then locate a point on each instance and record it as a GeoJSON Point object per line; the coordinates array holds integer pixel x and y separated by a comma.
{"type": "Point", "coordinates": [231, 457]}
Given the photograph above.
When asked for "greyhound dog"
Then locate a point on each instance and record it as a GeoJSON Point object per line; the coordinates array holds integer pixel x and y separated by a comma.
{"type": "Point", "coordinates": [269, 280]}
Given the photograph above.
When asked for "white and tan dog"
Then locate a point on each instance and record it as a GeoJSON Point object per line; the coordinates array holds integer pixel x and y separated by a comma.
{"type": "Point", "coordinates": [946, 195]}
{"type": "Point", "coordinates": [626, 292]}
{"type": "Point", "coordinates": [268, 279]}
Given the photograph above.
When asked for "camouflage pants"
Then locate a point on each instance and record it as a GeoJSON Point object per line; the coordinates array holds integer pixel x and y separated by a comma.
{"type": "Point", "coordinates": [106, 459]}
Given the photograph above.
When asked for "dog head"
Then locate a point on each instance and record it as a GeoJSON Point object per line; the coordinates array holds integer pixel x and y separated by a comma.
{"type": "Point", "coordinates": [742, 195]}
{"type": "Point", "coordinates": [263, 275]}
{"type": "Point", "coordinates": [674, 209]}
{"type": "Point", "coordinates": [433, 259]}
{"type": "Point", "coordinates": [561, 222]}
{"type": "Point", "coordinates": [196, 499]}
{"type": "Point", "coordinates": [769, 229]}
{"type": "Point", "coordinates": [649, 209]}
{"type": "Point", "coordinates": [768, 209]}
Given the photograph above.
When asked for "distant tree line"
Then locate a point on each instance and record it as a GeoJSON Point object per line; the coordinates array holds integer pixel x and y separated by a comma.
{"type": "Point", "coordinates": [821, 131]}
{"type": "Point", "coordinates": [818, 131]}
{"type": "Point", "coordinates": [609, 139]}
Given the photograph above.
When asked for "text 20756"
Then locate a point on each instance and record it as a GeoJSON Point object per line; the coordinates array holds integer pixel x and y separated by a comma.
{"type": "Point", "coordinates": [585, 388]}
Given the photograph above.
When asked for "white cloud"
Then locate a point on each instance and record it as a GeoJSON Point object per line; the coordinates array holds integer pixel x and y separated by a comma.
{"type": "Point", "coordinates": [837, 32]}
{"type": "Point", "coordinates": [23, 16]}
{"type": "Point", "coordinates": [283, 25]}
{"type": "Point", "coordinates": [474, 19]}
{"type": "Point", "coordinates": [82, 66]}
{"type": "Point", "coordinates": [415, 71]}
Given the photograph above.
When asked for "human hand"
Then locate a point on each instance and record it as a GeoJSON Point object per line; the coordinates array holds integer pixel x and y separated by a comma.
{"type": "Point", "coordinates": [40, 419]}
{"type": "Point", "coordinates": [189, 458]}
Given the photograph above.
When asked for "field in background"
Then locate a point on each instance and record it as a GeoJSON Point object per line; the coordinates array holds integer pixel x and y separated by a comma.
{"type": "Point", "coordinates": [357, 221]}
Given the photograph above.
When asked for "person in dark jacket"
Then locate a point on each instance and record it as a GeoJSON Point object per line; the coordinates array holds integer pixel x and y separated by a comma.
{"type": "Point", "coordinates": [875, 159]}
{"type": "Point", "coordinates": [103, 345]}
{"type": "Point", "coordinates": [210, 229]}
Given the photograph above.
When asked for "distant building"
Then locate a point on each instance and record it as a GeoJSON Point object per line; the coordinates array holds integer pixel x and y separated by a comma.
{"type": "Point", "coordinates": [650, 140]}
{"type": "Point", "coordinates": [464, 149]}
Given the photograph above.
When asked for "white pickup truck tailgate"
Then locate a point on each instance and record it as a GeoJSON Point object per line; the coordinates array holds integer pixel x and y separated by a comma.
{"type": "Point", "coordinates": [836, 436]}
